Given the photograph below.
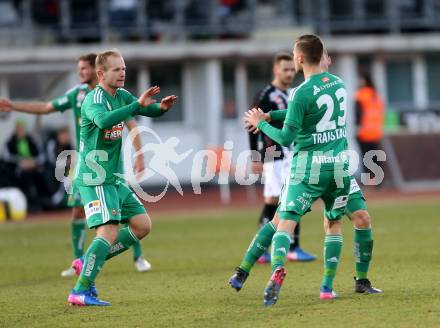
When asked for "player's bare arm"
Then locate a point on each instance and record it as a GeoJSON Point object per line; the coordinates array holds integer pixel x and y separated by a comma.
{"type": "Point", "coordinates": [38, 108]}
{"type": "Point", "coordinates": [139, 164]}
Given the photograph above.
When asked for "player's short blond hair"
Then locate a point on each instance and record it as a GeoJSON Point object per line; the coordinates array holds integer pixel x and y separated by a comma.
{"type": "Point", "coordinates": [102, 58]}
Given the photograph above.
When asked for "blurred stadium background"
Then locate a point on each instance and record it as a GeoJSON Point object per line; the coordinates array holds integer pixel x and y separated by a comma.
{"type": "Point", "coordinates": [215, 55]}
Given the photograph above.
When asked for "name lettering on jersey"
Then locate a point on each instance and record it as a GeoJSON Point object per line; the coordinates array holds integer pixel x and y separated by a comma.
{"type": "Point", "coordinates": [115, 132]}
{"type": "Point", "coordinates": [327, 136]}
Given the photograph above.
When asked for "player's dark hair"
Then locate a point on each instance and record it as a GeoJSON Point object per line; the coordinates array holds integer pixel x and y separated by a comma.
{"type": "Point", "coordinates": [282, 56]}
{"type": "Point", "coordinates": [89, 58]}
{"type": "Point", "coordinates": [312, 48]}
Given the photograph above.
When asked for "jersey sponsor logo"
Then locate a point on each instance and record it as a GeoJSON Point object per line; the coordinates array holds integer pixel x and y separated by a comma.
{"type": "Point", "coordinates": [316, 90]}
{"type": "Point", "coordinates": [325, 79]}
{"type": "Point", "coordinates": [92, 208]}
{"type": "Point", "coordinates": [279, 98]}
{"type": "Point", "coordinates": [323, 159]}
{"type": "Point", "coordinates": [327, 136]}
{"type": "Point", "coordinates": [327, 86]}
{"type": "Point", "coordinates": [114, 133]}
{"type": "Point", "coordinates": [340, 202]}
{"type": "Point", "coordinates": [80, 98]}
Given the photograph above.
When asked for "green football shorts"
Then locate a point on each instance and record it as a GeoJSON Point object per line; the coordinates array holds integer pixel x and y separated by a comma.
{"type": "Point", "coordinates": [109, 203]}
{"type": "Point", "coordinates": [356, 200]}
{"type": "Point", "coordinates": [74, 199]}
{"type": "Point", "coordinates": [298, 196]}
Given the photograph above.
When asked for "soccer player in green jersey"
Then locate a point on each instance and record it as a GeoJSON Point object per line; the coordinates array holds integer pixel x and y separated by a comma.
{"type": "Point", "coordinates": [73, 99]}
{"type": "Point", "coordinates": [315, 121]}
{"type": "Point", "coordinates": [356, 211]}
{"type": "Point", "coordinates": [107, 200]}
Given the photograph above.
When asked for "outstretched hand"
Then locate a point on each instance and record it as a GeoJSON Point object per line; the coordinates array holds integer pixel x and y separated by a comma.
{"type": "Point", "coordinates": [5, 105]}
{"type": "Point", "coordinates": [252, 118]}
{"type": "Point", "coordinates": [167, 102]}
{"type": "Point", "coordinates": [145, 99]}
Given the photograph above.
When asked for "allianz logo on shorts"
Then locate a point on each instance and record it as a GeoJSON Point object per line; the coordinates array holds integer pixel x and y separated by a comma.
{"type": "Point", "coordinates": [92, 207]}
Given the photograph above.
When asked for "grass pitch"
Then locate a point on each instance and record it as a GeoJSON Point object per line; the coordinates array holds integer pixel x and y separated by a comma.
{"type": "Point", "coordinates": [193, 256]}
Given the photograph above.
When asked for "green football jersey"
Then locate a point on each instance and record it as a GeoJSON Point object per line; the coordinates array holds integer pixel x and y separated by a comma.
{"type": "Point", "coordinates": [100, 154]}
{"type": "Point", "coordinates": [73, 99]}
{"type": "Point", "coordinates": [315, 122]}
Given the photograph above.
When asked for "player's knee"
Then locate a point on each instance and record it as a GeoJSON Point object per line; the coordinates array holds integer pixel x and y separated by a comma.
{"type": "Point", "coordinates": [334, 227]}
{"type": "Point", "coordinates": [276, 220]}
{"type": "Point", "coordinates": [141, 226]}
{"type": "Point", "coordinates": [109, 232]}
{"type": "Point", "coordinates": [326, 224]}
{"type": "Point", "coordinates": [78, 213]}
{"type": "Point", "coordinates": [271, 200]}
{"type": "Point", "coordinates": [361, 219]}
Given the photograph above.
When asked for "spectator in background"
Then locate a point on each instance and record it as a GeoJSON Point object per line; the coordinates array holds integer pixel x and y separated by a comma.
{"type": "Point", "coordinates": [58, 142]}
{"type": "Point", "coordinates": [26, 159]}
{"type": "Point", "coordinates": [369, 117]}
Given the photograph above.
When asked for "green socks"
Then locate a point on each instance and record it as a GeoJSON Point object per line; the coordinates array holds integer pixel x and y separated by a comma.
{"type": "Point", "coordinates": [100, 251]}
{"type": "Point", "coordinates": [136, 248]}
{"type": "Point", "coordinates": [257, 247]}
{"type": "Point", "coordinates": [126, 238]}
{"type": "Point", "coordinates": [78, 237]}
{"type": "Point", "coordinates": [363, 249]}
{"type": "Point", "coordinates": [93, 262]}
{"type": "Point", "coordinates": [332, 255]}
{"type": "Point", "coordinates": [280, 246]}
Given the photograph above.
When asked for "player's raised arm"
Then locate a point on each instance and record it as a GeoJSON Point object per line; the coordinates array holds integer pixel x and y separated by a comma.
{"type": "Point", "coordinates": [277, 115]}
{"type": "Point", "coordinates": [255, 119]}
{"type": "Point", "coordinates": [38, 108]}
{"type": "Point", "coordinates": [104, 119]}
{"type": "Point", "coordinates": [154, 109]}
